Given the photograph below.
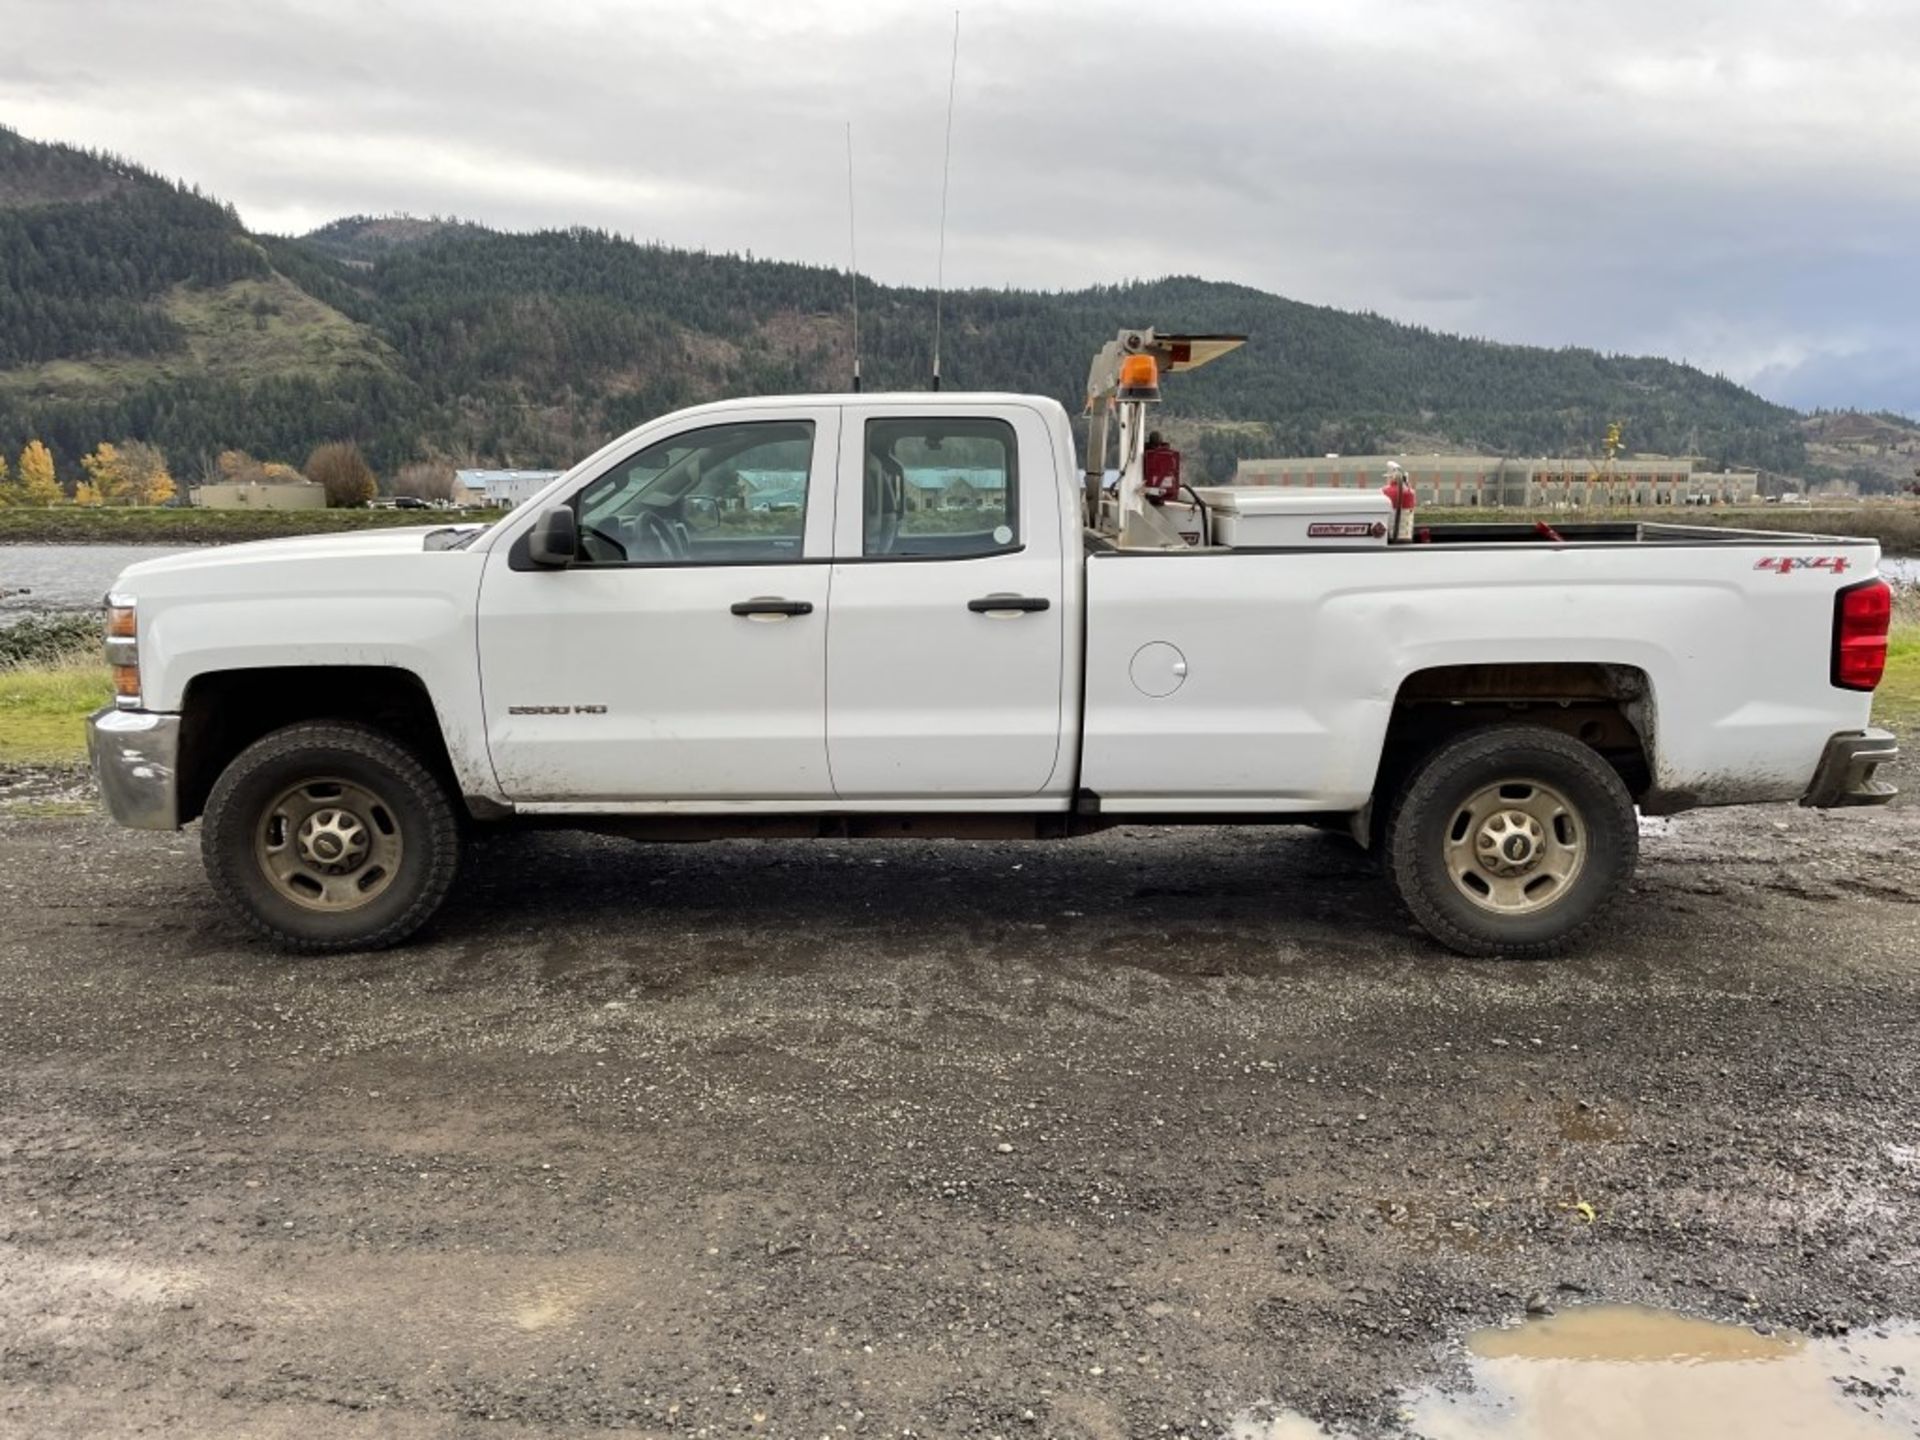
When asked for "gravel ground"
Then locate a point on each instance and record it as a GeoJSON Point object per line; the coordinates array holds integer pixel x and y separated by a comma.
{"type": "Point", "coordinates": [1120, 1137]}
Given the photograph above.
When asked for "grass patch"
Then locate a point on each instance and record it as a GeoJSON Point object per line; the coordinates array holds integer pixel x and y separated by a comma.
{"type": "Point", "coordinates": [126, 525]}
{"type": "Point", "coordinates": [1896, 704]}
{"type": "Point", "coordinates": [43, 710]}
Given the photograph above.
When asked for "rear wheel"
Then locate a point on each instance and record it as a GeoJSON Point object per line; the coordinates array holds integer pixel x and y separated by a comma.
{"type": "Point", "coordinates": [330, 836]}
{"type": "Point", "coordinates": [1510, 841]}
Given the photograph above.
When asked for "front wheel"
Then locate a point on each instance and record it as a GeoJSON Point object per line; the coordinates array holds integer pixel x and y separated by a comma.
{"type": "Point", "coordinates": [1510, 841]}
{"type": "Point", "coordinates": [330, 836]}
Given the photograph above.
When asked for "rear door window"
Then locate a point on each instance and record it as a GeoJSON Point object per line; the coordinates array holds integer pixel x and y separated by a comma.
{"type": "Point", "coordinates": [940, 487]}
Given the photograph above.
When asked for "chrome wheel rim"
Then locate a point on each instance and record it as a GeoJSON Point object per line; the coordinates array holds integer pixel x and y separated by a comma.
{"type": "Point", "coordinates": [1515, 847]}
{"type": "Point", "coordinates": [329, 844]}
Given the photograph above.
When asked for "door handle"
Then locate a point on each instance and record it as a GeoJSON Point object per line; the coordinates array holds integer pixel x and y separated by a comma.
{"type": "Point", "coordinates": [771, 607]}
{"type": "Point", "coordinates": [1008, 604]}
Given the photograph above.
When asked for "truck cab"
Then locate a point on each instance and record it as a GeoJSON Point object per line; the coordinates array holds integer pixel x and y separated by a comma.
{"type": "Point", "coordinates": [677, 645]}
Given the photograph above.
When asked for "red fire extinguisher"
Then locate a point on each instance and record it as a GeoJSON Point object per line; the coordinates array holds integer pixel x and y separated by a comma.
{"type": "Point", "coordinates": [1400, 494]}
{"type": "Point", "coordinates": [1160, 469]}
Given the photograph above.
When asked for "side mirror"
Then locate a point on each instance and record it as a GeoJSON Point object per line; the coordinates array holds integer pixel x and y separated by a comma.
{"type": "Point", "coordinates": [555, 540]}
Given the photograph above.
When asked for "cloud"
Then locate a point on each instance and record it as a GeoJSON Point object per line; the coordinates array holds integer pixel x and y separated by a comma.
{"type": "Point", "coordinates": [1732, 185]}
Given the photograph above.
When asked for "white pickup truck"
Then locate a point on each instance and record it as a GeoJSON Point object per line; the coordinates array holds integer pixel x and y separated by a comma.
{"type": "Point", "coordinates": [920, 614]}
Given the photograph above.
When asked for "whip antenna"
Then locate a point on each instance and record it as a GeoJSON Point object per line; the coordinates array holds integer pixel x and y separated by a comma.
{"type": "Point", "coordinates": [946, 170]}
{"type": "Point", "coordinates": [853, 263]}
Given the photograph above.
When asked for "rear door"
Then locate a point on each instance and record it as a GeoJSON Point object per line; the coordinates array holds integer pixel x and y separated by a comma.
{"type": "Point", "coordinates": [945, 647]}
{"type": "Point", "coordinates": [683, 655]}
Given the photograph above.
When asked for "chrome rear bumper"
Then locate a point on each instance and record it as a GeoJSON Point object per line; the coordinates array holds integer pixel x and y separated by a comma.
{"type": "Point", "coordinates": [1845, 776]}
{"type": "Point", "coordinates": [136, 758]}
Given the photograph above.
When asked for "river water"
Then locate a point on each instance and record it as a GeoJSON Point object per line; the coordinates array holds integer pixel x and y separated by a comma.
{"type": "Point", "coordinates": [65, 577]}
{"type": "Point", "coordinates": [74, 577]}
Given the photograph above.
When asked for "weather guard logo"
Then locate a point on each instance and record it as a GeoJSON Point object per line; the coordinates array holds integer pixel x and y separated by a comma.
{"type": "Point", "coordinates": [1345, 530]}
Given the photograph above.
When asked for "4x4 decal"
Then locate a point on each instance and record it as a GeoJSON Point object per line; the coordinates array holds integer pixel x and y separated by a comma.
{"type": "Point", "coordinates": [1787, 564]}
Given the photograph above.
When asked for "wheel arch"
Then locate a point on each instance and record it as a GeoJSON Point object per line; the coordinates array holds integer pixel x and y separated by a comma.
{"type": "Point", "coordinates": [224, 711]}
{"type": "Point", "coordinates": [1609, 708]}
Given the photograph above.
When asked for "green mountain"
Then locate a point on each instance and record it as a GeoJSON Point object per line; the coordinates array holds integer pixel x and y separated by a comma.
{"type": "Point", "coordinates": [134, 307]}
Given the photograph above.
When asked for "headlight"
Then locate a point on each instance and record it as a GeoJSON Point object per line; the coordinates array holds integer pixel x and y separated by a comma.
{"type": "Point", "coordinates": [123, 651]}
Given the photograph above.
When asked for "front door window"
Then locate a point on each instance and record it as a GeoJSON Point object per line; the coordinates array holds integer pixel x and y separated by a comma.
{"type": "Point", "coordinates": [725, 495]}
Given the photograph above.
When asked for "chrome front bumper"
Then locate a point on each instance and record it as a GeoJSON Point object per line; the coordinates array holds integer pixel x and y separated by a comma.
{"type": "Point", "coordinates": [1845, 776]}
{"type": "Point", "coordinates": [136, 758]}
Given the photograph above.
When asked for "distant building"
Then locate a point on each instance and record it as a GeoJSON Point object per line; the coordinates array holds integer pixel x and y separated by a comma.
{"type": "Point", "coordinates": [773, 489]}
{"type": "Point", "coordinates": [506, 489]}
{"type": "Point", "coordinates": [956, 488]}
{"type": "Point", "coordinates": [272, 495]}
{"type": "Point", "coordinates": [1488, 480]}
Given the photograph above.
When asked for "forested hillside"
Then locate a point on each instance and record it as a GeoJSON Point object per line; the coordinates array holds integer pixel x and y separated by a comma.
{"type": "Point", "coordinates": [135, 308]}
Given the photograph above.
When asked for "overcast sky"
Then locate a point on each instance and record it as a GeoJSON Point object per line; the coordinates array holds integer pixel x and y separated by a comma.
{"type": "Point", "coordinates": [1736, 183]}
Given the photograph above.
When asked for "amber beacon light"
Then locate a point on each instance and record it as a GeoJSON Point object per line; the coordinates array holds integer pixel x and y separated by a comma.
{"type": "Point", "coordinates": [1139, 378]}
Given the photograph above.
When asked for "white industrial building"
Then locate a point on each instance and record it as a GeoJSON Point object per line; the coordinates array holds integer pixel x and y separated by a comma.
{"type": "Point", "coordinates": [504, 489]}
{"type": "Point", "coordinates": [1468, 480]}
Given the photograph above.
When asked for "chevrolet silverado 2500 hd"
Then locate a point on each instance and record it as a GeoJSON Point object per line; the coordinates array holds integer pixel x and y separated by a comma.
{"type": "Point", "coordinates": [919, 614]}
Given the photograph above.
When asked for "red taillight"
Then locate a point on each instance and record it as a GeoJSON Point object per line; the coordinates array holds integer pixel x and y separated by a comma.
{"type": "Point", "coordinates": [1861, 616]}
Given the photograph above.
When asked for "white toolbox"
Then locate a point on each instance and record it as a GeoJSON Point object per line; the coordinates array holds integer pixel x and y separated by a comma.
{"type": "Point", "coordinates": [1259, 516]}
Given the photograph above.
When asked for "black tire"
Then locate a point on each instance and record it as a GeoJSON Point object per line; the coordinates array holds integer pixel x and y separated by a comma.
{"type": "Point", "coordinates": [1431, 831]}
{"type": "Point", "coordinates": [412, 801]}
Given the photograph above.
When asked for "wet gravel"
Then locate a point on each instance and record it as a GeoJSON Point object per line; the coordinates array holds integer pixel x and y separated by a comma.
{"type": "Point", "coordinates": [1121, 1137]}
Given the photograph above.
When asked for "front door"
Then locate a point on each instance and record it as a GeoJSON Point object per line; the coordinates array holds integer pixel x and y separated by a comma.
{"type": "Point", "coordinates": [683, 654]}
{"type": "Point", "coordinates": [945, 652]}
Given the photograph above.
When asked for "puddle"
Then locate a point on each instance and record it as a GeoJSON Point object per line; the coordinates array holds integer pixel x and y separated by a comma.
{"type": "Point", "coordinates": [1615, 1372]}
{"type": "Point", "coordinates": [1588, 1126]}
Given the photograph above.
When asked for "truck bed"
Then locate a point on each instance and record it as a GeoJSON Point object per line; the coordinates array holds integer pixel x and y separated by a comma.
{"type": "Point", "coordinates": [1281, 669]}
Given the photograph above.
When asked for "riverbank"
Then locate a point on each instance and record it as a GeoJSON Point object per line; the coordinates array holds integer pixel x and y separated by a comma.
{"type": "Point", "coordinates": [69, 525]}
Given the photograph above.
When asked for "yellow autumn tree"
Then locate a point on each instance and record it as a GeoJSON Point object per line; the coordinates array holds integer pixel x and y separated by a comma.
{"type": "Point", "coordinates": [37, 484]}
{"type": "Point", "coordinates": [9, 487]}
{"type": "Point", "coordinates": [148, 480]}
{"type": "Point", "coordinates": [84, 494]}
{"type": "Point", "coordinates": [107, 479]}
